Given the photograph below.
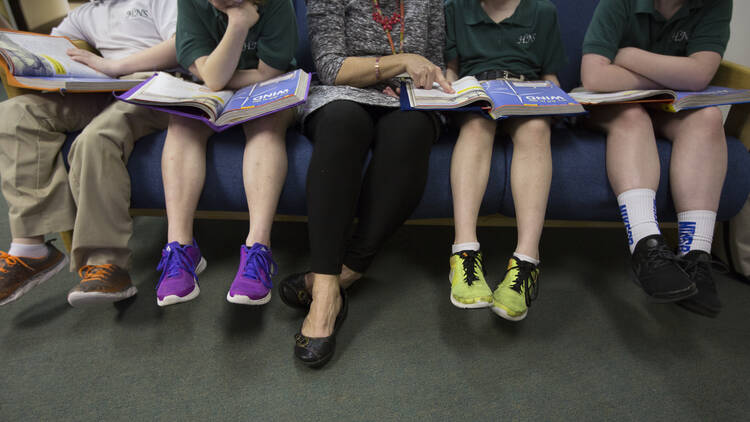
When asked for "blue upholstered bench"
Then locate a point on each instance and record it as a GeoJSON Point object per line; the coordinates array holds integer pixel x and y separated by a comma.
{"type": "Point", "coordinates": [580, 190]}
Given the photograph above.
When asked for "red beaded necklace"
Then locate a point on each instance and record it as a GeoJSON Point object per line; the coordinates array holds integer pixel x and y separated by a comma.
{"type": "Point", "coordinates": [388, 22]}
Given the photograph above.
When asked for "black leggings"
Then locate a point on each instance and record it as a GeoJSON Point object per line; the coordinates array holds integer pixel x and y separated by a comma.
{"type": "Point", "coordinates": [342, 133]}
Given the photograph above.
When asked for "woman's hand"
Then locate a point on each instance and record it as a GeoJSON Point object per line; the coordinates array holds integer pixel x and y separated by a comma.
{"type": "Point", "coordinates": [424, 73]}
{"type": "Point", "coordinates": [108, 67]}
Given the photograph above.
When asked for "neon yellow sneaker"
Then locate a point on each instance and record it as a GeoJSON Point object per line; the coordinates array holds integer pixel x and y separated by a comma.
{"type": "Point", "coordinates": [513, 296]}
{"type": "Point", "coordinates": [468, 287]}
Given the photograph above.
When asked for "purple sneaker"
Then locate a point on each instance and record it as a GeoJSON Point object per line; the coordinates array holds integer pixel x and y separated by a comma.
{"type": "Point", "coordinates": [252, 284]}
{"type": "Point", "coordinates": [180, 266]}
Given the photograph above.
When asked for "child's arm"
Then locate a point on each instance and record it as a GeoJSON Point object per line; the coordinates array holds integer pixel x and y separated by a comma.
{"type": "Point", "coordinates": [218, 68]}
{"type": "Point", "coordinates": [451, 70]}
{"type": "Point", "coordinates": [692, 73]}
{"type": "Point", "coordinates": [599, 74]}
{"type": "Point", "coordinates": [161, 56]}
{"type": "Point", "coordinates": [552, 78]}
{"type": "Point", "coordinates": [243, 78]}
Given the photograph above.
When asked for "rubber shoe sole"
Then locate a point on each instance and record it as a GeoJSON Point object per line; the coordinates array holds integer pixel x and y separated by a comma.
{"type": "Point", "coordinates": [174, 299]}
{"type": "Point", "coordinates": [502, 313]}
{"type": "Point", "coordinates": [246, 300]}
{"type": "Point", "coordinates": [668, 297]}
{"type": "Point", "coordinates": [81, 299]}
{"type": "Point", "coordinates": [36, 280]}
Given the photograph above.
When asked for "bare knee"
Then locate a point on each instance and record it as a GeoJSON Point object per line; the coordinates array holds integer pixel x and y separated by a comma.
{"type": "Point", "coordinates": [710, 119]}
{"type": "Point", "coordinates": [531, 133]}
{"type": "Point", "coordinates": [477, 131]}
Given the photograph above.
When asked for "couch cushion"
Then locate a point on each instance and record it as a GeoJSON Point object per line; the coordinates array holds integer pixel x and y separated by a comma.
{"type": "Point", "coordinates": [580, 189]}
{"type": "Point", "coordinates": [574, 17]}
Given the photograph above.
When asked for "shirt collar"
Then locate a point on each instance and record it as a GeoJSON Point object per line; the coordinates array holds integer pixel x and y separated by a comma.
{"type": "Point", "coordinates": [523, 16]}
{"type": "Point", "coordinates": [647, 6]}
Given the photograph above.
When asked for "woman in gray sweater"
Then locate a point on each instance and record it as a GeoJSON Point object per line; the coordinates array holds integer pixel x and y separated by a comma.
{"type": "Point", "coordinates": [359, 47]}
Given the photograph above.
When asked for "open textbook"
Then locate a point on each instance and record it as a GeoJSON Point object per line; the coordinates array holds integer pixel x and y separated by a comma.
{"type": "Point", "coordinates": [220, 109]}
{"type": "Point", "coordinates": [500, 97]}
{"type": "Point", "coordinates": [40, 62]}
{"type": "Point", "coordinates": [673, 101]}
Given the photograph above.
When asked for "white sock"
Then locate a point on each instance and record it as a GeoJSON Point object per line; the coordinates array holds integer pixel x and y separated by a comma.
{"type": "Point", "coordinates": [638, 211]}
{"type": "Point", "coordinates": [469, 246]}
{"type": "Point", "coordinates": [526, 258]}
{"type": "Point", "coordinates": [38, 250]}
{"type": "Point", "coordinates": [696, 230]}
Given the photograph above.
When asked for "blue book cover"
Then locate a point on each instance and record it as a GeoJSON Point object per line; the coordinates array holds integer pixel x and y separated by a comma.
{"type": "Point", "coordinates": [500, 98]}
{"type": "Point", "coordinates": [220, 110]}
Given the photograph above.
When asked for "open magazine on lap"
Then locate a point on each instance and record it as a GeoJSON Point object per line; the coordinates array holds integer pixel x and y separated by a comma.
{"type": "Point", "coordinates": [40, 62]}
{"type": "Point", "coordinates": [674, 101]}
{"type": "Point", "coordinates": [220, 110]}
{"type": "Point", "coordinates": [500, 98]}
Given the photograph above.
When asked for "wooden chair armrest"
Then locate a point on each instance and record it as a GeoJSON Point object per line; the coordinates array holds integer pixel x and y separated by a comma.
{"type": "Point", "coordinates": [736, 76]}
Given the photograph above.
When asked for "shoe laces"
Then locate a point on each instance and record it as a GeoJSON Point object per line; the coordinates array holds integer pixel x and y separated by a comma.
{"type": "Point", "coordinates": [525, 282]}
{"type": "Point", "coordinates": [10, 261]}
{"type": "Point", "coordinates": [660, 256]}
{"type": "Point", "coordinates": [701, 269]}
{"type": "Point", "coordinates": [173, 261]}
{"type": "Point", "coordinates": [471, 261]}
{"type": "Point", "coordinates": [259, 264]}
{"type": "Point", "coordinates": [95, 272]}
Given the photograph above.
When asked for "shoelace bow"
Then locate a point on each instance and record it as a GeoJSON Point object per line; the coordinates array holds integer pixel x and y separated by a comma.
{"type": "Point", "coordinates": [174, 260]}
{"type": "Point", "coordinates": [10, 261]}
{"type": "Point", "coordinates": [470, 261]}
{"type": "Point", "coordinates": [95, 272]}
{"type": "Point", "coordinates": [260, 265]}
{"type": "Point", "coordinates": [526, 280]}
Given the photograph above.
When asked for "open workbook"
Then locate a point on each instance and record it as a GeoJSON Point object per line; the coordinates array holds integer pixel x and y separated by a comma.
{"type": "Point", "coordinates": [673, 101]}
{"type": "Point", "coordinates": [40, 62]}
{"type": "Point", "coordinates": [220, 109]}
{"type": "Point", "coordinates": [500, 98]}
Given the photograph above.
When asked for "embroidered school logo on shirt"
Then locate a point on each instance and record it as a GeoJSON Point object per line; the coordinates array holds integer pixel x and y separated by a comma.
{"type": "Point", "coordinates": [250, 45]}
{"type": "Point", "coordinates": [526, 39]}
{"type": "Point", "coordinates": [137, 13]}
{"type": "Point", "coordinates": [680, 36]}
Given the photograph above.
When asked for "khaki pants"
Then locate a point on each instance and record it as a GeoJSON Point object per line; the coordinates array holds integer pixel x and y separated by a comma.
{"type": "Point", "coordinates": [42, 199]}
{"type": "Point", "coordinates": [739, 240]}
{"type": "Point", "coordinates": [34, 181]}
{"type": "Point", "coordinates": [100, 183]}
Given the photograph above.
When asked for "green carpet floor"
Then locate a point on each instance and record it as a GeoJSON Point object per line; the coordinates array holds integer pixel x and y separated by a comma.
{"type": "Point", "coordinates": [592, 347]}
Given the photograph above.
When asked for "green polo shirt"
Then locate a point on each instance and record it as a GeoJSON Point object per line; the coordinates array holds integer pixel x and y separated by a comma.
{"type": "Point", "coordinates": [272, 39]}
{"type": "Point", "coordinates": [526, 43]}
{"type": "Point", "coordinates": [699, 25]}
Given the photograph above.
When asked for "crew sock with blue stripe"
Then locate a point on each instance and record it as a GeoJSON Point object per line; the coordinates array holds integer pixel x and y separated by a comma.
{"type": "Point", "coordinates": [638, 211]}
{"type": "Point", "coordinates": [696, 230]}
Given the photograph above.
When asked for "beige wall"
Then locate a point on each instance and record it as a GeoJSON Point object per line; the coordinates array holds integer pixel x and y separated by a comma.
{"type": "Point", "coordinates": [738, 49]}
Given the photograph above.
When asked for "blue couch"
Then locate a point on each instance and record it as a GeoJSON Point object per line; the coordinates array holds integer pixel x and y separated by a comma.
{"type": "Point", "coordinates": [580, 190]}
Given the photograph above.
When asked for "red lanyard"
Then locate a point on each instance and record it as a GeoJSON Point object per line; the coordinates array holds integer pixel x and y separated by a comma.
{"type": "Point", "coordinates": [388, 22]}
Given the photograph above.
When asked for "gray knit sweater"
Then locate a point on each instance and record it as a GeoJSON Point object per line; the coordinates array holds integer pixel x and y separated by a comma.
{"type": "Point", "coordinates": [345, 28]}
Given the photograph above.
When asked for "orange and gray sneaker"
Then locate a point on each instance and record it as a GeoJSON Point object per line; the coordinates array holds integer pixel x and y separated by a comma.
{"type": "Point", "coordinates": [19, 274]}
{"type": "Point", "coordinates": [101, 284]}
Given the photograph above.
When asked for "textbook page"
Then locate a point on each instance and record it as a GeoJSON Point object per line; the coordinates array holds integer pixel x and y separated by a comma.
{"type": "Point", "coordinates": [167, 89]}
{"type": "Point", "coordinates": [41, 55]}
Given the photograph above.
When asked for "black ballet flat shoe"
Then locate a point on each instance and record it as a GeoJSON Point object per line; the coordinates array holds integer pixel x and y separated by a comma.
{"type": "Point", "coordinates": [293, 292]}
{"type": "Point", "coordinates": [317, 351]}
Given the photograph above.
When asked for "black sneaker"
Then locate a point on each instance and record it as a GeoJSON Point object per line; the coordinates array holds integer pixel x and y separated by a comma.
{"type": "Point", "coordinates": [697, 265]}
{"type": "Point", "coordinates": [658, 272]}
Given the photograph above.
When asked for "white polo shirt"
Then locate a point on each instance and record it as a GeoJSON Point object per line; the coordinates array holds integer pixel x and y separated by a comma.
{"type": "Point", "coordinates": [119, 28]}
